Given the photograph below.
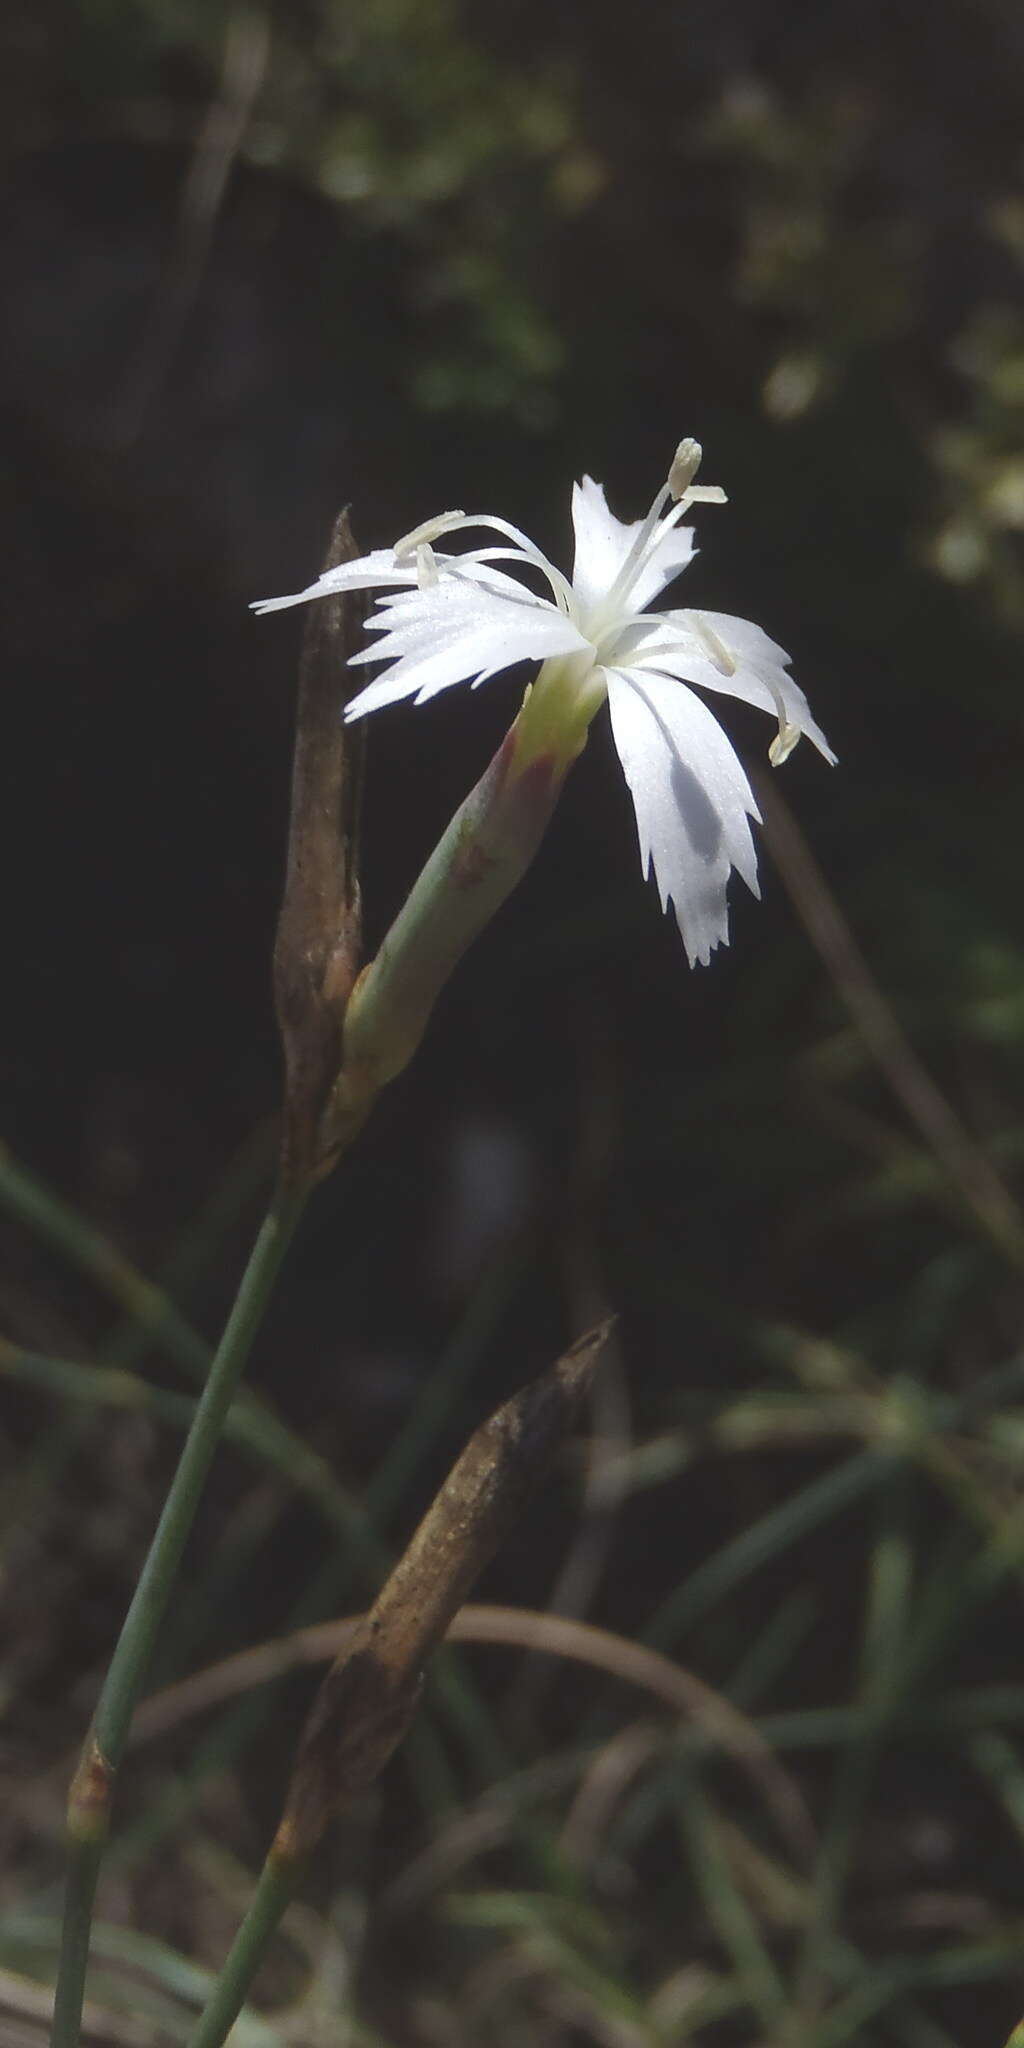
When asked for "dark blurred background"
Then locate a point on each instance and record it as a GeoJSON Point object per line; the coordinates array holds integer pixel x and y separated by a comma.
{"type": "Point", "coordinates": [410, 254]}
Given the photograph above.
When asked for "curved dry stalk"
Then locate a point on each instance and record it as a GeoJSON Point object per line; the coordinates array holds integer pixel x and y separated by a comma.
{"type": "Point", "coordinates": [603, 1785]}
{"type": "Point", "coordinates": [969, 1168]}
{"type": "Point", "coordinates": [519, 1628]}
{"type": "Point", "coordinates": [215, 153]}
{"type": "Point", "coordinates": [473, 1831]}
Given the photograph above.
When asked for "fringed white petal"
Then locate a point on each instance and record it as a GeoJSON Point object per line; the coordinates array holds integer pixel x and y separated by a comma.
{"type": "Point", "coordinates": [453, 631]}
{"type": "Point", "coordinates": [603, 542]}
{"type": "Point", "coordinates": [371, 572]}
{"type": "Point", "coordinates": [662, 565]}
{"type": "Point", "coordinates": [746, 664]}
{"type": "Point", "coordinates": [692, 800]}
{"type": "Point", "coordinates": [475, 571]}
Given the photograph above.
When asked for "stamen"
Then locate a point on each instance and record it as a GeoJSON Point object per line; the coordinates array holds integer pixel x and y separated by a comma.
{"type": "Point", "coordinates": [787, 737]}
{"type": "Point", "coordinates": [450, 522]}
{"type": "Point", "coordinates": [654, 528]}
{"type": "Point", "coordinates": [560, 584]}
{"type": "Point", "coordinates": [685, 464]}
{"type": "Point", "coordinates": [783, 743]}
{"type": "Point", "coordinates": [426, 566]}
{"type": "Point", "coordinates": [716, 648]}
{"type": "Point", "coordinates": [638, 550]}
{"type": "Point", "coordinates": [431, 529]}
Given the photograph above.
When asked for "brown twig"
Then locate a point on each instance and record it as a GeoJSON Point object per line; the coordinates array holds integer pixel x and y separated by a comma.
{"type": "Point", "coordinates": [316, 950]}
{"type": "Point", "coordinates": [370, 1694]}
{"type": "Point", "coordinates": [215, 152]}
{"type": "Point", "coordinates": [980, 1185]}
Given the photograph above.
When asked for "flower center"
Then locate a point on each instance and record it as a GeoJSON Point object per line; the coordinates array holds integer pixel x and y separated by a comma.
{"type": "Point", "coordinates": [558, 709]}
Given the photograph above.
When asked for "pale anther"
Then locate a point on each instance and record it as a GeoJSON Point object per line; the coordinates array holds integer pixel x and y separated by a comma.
{"type": "Point", "coordinates": [426, 566]}
{"type": "Point", "coordinates": [718, 651]}
{"type": "Point", "coordinates": [685, 464]}
{"type": "Point", "coordinates": [421, 535]}
{"type": "Point", "coordinates": [783, 743]}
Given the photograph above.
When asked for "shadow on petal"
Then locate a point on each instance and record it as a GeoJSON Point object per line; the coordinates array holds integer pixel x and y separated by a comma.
{"type": "Point", "coordinates": [700, 820]}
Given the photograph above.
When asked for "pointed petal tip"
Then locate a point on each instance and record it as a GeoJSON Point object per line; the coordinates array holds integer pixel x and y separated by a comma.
{"type": "Point", "coordinates": [699, 954]}
{"type": "Point", "coordinates": [278, 604]}
{"type": "Point", "coordinates": [698, 945]}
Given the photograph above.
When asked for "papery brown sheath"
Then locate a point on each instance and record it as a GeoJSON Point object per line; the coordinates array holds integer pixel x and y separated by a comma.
{"type": "Point", "coordinates": [317, 946]}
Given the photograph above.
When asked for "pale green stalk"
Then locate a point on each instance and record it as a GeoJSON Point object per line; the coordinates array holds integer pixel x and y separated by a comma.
{"type": "Point", "coordinates": [278, 1882]}
{"type": "Point", "coordinates": [92, 1789]}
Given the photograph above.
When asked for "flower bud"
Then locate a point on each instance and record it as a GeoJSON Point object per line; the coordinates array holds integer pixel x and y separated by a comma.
{"type": "Point", "coordinates": [484, 852]}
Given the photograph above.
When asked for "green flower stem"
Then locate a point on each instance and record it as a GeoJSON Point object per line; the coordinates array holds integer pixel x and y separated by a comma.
{"type": "Point", "coordinates": [279, 1880]}
{"type": "Point", "coordinates": [84, 1858]}
{"type": "Point", "coordinates": [93, 1785]}
{"type": "Point", "coordinates": [131, 1657]}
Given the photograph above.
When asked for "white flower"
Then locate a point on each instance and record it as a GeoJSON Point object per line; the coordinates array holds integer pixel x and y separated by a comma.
{"type": "Point", "coordinates": [459, 618]}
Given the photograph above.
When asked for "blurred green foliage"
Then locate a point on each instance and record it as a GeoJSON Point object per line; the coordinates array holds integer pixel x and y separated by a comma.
{"type": "Point", "coordinates": [856, 170]}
